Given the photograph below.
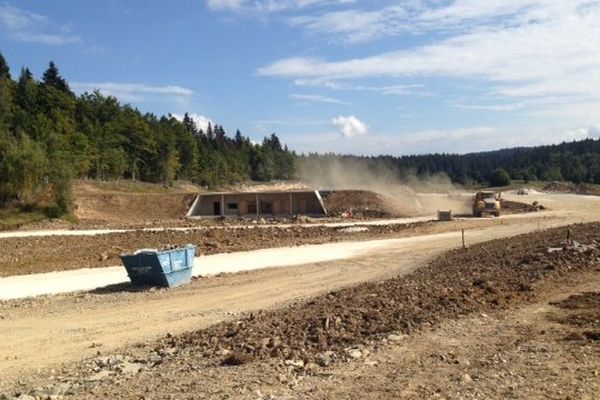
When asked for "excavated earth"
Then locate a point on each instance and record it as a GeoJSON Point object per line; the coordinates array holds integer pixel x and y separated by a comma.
{"type": "Point", "coordinates": [467, 312]}
{"type": "Point", "coordinates": [568, 187]}
{"type": "Point", "coordinates": [27, 255]}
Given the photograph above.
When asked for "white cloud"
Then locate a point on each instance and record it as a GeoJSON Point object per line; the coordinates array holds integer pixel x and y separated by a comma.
{"type": "Point", "coordinates": [225, 4]}
{"type": "Point", "coordinates": [136, 92]}
{"type": "Point", "coordinates": [24, 26]}
{"type": "Point", "coordinates": [491, 107]}
{"type": "Point", "coordinates": [350, 126]}
{"type": "Point", "coordinates": [513, 54]}
{"type": "Point", "coordinates": [200, 120]}
{"type": "Point", "coordinates": [366, 21]}
{"type": "Point", "coordinates": [522, 54]}
{"type": "Point", "coordinates": [262, 7]}
{"type": "Point", "coordinates": [315, 98]}
{"type": "Point", "coordinates": [455, 140]}
{"type": "Point", "coordinates": [352, 26]}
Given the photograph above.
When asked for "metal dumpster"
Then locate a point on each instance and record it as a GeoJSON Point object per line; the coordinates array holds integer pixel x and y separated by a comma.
{"type": "Point", "coordinates": [170, 268]}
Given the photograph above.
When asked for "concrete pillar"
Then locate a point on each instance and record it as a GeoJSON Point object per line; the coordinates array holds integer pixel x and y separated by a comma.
{"type": "Point", "coordinates": [291, 205]}
{"type": "Point", "coordinates": [222, 205]}
{"type": "Point", "coordinates": [242, 208]}
{"type": "Point", "coordinates": [257, 207]}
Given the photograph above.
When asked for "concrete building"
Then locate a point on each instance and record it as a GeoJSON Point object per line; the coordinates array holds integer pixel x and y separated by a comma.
{"type": "Point", "coordinates": [258, 204]}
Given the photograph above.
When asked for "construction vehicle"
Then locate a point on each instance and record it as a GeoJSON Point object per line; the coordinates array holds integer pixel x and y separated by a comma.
{"type": "Point", "coordinates": [486, 202]}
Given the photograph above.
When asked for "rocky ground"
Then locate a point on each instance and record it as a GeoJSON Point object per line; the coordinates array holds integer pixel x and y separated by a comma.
{"type": "Point", "coordinates": [468, 325]}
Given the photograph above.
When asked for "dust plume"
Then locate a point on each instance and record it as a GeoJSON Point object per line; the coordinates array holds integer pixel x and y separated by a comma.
{"type": "Point", "coordinates": [404, 192]}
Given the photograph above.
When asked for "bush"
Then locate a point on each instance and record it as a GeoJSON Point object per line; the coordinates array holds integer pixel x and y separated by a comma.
{"type": "Point", "coordinates": [500, 177]}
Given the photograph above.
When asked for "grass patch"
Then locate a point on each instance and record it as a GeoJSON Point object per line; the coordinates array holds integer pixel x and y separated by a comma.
{"type": "Point", "coordinates": [13, 218]}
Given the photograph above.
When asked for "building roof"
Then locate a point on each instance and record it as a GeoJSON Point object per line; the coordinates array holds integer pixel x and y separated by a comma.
{"type": "Point", "coordinates": [258, 192]}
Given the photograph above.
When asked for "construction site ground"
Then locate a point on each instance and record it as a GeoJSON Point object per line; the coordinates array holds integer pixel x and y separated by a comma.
{"type": "Point", "coordinates": [161, 343]}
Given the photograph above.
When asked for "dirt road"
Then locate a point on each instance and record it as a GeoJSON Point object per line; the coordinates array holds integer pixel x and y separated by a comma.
{"type": "Point", "coordinates": [22, 286]}
{"type": "Point", "coordinates": [46, 252]}
{"type": "Point", "coordinates": [39, 333]}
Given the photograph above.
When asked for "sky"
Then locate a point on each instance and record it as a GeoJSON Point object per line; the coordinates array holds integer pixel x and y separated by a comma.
{"type": "Point", "coordinates": [344, 76]}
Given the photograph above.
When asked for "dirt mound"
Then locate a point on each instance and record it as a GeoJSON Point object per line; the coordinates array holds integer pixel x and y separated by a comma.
{"type": "Point", "coordinates": [360, 203]}
{"type": "Point", "coordinates": [586, 188]}
{"type": "Point", "coordinates": [123, 203]}
{"type": "Point", "coordinates": [515, 207]}
{"type": "Point", "coordinates": [128, 208]}
{"type": "Point", "coordinates": [486, 276]}
{"type": "Point", "coordinates": [558, 186]}
{"type": "Point", "coordinates": [568, 187]}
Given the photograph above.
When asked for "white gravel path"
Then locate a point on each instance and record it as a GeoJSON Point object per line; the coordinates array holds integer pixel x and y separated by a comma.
{"type": "Point", "coordinates": [21, 286]}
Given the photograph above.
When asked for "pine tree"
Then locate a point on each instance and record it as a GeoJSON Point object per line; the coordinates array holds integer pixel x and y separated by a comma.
{"type": "Point", "coordinates": [189, 124]}
{"type": "Point", "coordinates": [209, 132]}
{"type": "Point", "coordinates": [4, 70]}
{"type": "Point", "coordinates": [238, 139]}
{"type": "Point", "coordinates": [6, 93]}
{"type": "Point", "coordinates": [220, 135]}
{"type": "Point", "coordinates": [52, 78]}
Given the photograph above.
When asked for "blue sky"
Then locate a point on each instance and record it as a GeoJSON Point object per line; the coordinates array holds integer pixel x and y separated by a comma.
{"type": "Point", "coordinates": [349, 76]}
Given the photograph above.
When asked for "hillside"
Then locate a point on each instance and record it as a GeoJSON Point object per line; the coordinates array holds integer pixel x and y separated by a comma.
{"type": "Point", "coordinates": [577, 162]}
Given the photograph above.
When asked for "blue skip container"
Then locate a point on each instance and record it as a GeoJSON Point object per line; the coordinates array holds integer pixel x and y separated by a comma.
{"type": "Point", "coordinates": [168, 268]}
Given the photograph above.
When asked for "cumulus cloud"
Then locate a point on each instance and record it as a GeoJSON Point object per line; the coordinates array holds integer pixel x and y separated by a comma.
{"type": "Point", "coordinates": [24, 26]}
{"type": "Point", "coordinates": [136, 92]}
{"type": "Point", "coordinates": [200, 120]}
{"type": "Point", "coordinates": [350, 126]}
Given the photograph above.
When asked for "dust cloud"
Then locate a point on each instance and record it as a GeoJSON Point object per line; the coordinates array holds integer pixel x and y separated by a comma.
{"type": "Point", "coordinates": [404, 193]}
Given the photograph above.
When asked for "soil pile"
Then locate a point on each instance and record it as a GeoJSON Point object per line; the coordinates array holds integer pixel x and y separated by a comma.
{"type": "Point", "coordinates": [516, 207]}
{"type": "Point", "coordinates": [487, 276]}
{"type": "Point", "coordinates": [568, 187]}
{"type": "Point", "coordinates": [127, 208]}
{"type": "Point", "coordinates": [359, 204]}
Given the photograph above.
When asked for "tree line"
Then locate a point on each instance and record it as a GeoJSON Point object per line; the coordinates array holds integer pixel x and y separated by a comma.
{"type": "Point", "coordinates": [577, 161]}
{"type": "Point", "coordinates": [49, 136]}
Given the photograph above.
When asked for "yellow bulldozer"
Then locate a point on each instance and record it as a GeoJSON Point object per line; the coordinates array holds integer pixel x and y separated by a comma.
{"type": "Point", "coordinates": [486, 202]}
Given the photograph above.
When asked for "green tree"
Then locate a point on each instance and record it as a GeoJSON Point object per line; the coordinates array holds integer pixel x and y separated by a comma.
{"type": "Point", "coordinates": [500, 177]}
{"type": "Point", "coordinates": [22, 167]}
{"type": "Point", "coordinates": [6, 94]}
{"type": "Point", "coordinates": [52, 78]}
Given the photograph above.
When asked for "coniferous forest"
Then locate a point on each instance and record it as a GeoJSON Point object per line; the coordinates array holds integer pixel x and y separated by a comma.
{"type": "Point", "coordinates": [577, 162]}
{"type": "Point", "coordinates": [50, 136]}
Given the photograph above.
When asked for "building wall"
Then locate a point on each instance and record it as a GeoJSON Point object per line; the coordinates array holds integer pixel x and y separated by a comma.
{"type": "Point", "coordinates": [269, 204]}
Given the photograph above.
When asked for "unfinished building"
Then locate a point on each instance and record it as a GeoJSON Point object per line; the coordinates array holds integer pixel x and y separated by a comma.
{"type": "Point", "coordinates": [258, 204]}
